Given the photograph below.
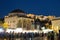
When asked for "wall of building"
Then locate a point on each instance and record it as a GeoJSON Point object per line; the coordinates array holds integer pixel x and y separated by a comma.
{"type": "Point", "coordinates": [11, 21]}
{"type": "Point", "coordinates": [16, 21]}
{"type": "Point", "coordinates": [56, 25]}
{"type": "Point", "coordinates": [25, 23]}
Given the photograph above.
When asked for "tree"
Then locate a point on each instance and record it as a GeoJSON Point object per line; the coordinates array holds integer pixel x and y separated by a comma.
{"type": "Point", "coordinates": [48, 23]}
{"type": "Point", "coordinates": [43, 23]}
{"type": "Point", "coordinates": [37, 22]}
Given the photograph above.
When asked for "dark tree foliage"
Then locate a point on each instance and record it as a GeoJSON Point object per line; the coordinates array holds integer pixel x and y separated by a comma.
{"type": "Point", "coordinates": [43, 22]}
{"type": "Point", "coordinates": [2, 20]}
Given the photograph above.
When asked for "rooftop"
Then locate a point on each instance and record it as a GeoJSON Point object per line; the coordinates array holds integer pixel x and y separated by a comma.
{"type": "Point", "coordinates": [17, 11]}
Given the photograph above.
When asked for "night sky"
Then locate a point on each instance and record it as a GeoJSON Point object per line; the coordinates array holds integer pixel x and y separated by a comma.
{"type": "Point", "coordinates": [39, 7]}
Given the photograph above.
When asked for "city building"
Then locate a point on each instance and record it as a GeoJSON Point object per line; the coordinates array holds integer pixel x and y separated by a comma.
{"type": "Point", "coordinates": [51, 17]}
{"type": "Point", "coordinates": [18, 18]}
{"type": "Point", "coordinates": [56, 24]}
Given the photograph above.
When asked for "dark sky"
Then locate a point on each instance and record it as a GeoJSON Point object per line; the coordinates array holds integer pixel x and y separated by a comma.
{"type": "Point", "coordinates": [42, 7]}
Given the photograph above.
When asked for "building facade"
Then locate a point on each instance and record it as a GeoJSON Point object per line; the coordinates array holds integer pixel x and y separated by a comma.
{"type": "Point", "coordinates": [56, 24]}
{"type": "Point", "coordinates": [18, 19]}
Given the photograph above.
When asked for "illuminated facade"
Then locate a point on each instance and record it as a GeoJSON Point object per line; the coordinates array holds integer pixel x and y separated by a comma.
{"type": "Point", "coordinates": [18, 18]}
{"type": "Point", "coordinates": [56, 24]}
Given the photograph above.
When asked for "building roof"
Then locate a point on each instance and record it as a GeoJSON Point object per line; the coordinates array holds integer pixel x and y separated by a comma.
{"type": "Point", "coordinates": [17, 11]}
{"type": "Point", "coordinates": [57, 18]}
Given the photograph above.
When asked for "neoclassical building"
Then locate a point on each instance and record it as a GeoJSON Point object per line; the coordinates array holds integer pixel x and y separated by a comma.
{"type": "Point", "coordinates": [18, 18]}
{"type": "Point", "coordinates": [56, 24]}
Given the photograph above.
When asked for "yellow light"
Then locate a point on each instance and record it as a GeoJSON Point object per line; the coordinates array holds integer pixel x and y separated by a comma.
{"type": "Point", "coordinates": [5, 25]}
{"type": "Point", "coordinates": [52, 27]}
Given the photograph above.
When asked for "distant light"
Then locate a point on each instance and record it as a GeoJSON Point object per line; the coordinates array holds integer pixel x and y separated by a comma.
{"type": "Point", "coordinates": [9, 30]}
{"type": "Point", "coordinates": [18, 30]}
{"type": "Point", "coordinates": [1, 30]}
{"type": "Point", "coordinates": [43, 28]}
{"type": "Point", "coordinates": [47, 30]}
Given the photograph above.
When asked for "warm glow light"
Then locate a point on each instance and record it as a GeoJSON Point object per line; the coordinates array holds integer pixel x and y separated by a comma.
{"type": "Point", "coordinates": [1, 30]}
{"type": "Point", "coordinates": [52, 27]}
{"type": "Point", "coordinates": [47, 30]}
{"type": "Point", "coordinates": [43, 28]}
{"type": "Point", "coordinates": [57, 29]}
{"type": "Point", "coordinates": [10, 30]}
{"type": "Point", "coordinates": [18, 30]}
{"type": "Point", "coordinates": [5, 25]}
